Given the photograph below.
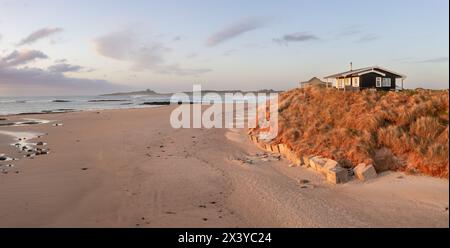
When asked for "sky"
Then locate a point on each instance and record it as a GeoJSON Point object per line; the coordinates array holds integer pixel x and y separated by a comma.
{"type": "Point", "coordinates": [58, 47]}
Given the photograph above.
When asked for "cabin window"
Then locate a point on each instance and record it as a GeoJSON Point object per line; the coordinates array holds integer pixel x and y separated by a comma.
{"type": "Point", "coordinates": [348, 82]}
{"type": "Point", "coordinates": [386, 82]}
{"type": "Point", "coordinates": [355, 82]}
{"type": "Point", "coordinates": [378, 82]}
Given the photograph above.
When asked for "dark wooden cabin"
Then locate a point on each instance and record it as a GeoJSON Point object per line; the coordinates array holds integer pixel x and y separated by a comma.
{"type": "Point", "coordinates": [373, 77]}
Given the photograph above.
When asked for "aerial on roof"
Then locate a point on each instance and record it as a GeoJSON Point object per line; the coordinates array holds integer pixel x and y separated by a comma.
{"type": "Point", "coordinates": [358, 72]}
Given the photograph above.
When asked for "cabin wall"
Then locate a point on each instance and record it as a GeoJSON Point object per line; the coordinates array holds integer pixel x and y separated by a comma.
{"type": "Point", "coordinates": [369, 81]}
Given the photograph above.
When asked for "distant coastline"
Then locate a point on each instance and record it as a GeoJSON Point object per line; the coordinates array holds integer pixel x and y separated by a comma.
{"type": "Point", "coordinates": [153, 93]}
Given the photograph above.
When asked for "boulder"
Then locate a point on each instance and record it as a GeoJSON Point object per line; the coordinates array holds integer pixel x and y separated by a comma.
{"type": "Point", "coordinates": [337, 175]}
{"type": "Point", "coordinates": [365, 172]}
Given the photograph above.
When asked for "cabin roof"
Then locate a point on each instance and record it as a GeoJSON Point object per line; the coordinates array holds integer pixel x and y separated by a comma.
{"type": "Point", "coordinates": [376, 69]}
{"type": "Point", "coordinates": [312, 81]}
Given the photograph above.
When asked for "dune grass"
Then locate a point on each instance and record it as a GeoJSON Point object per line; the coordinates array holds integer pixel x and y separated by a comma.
{"type": "Point", "coordinates": [405, 131]}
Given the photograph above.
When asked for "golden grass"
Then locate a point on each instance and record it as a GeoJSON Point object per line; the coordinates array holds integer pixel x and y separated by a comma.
{"type": "Point", "coordinates": [351, 127]}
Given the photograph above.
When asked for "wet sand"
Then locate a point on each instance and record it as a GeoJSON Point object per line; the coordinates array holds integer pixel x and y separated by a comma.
{"type": "Point", "coordinates": [129, 168]}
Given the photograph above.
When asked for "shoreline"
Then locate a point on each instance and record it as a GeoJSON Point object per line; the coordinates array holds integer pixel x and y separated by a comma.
{"type": "Point", "coordinates": [129, 168]}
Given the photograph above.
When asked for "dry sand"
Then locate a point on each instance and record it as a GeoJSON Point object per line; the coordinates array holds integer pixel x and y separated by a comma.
{"type": "Point", "coordinates": [129, 168]}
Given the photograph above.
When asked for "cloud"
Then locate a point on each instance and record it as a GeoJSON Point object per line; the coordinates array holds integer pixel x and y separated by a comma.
{"type": "Point", "coordinates": [177, 70]}
{"type": "Point", "coordinates": [229, 52]}
{"type": "Point", "coordinates": [21, 80]}
{"type": "Point", "coordinates": [115, 45]}
{"type": "Point", "coordinates": [39, 34]}
{"type": "Point", "coordinates": [177, 38]}
{"type": "Point", "coordinates": [64, 67]}
{"type": "Point", "coordinates": [428, 61]}
{"type": "Point", "coordinates": [367, 38]}
{"type": "Point", "coordinates": [350, 31]}
{"type": "Point", "coordinates": [21, 57]}
{"type": "Point", "coordinates": [357, 34]}
{"type": "Point", "coordinates": [125, 46]}
{"type": "Point", "coordinates": [236, 29]}
{"type": "Point", "coordinates": [192, 55]}
{"type": "Point", "coordinates": [61, 61]}
{"type": "Point", "coordinates": [295, 37]}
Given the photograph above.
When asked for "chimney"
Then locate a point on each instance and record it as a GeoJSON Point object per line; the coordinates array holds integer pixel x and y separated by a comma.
{"type": "Point", "coordinates": [351, 66]}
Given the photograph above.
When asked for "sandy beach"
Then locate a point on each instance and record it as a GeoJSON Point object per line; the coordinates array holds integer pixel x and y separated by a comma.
{"type": "Point", "coordinates": [130, 168]}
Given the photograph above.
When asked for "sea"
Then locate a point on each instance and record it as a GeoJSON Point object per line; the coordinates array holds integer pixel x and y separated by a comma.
{"type": "Point", "coordinates": [48, 104]}
{"type": "Point", "coordinates": [57, 104]}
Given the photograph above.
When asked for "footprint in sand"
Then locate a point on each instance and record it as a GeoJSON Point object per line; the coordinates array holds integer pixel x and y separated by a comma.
{"type": "Point", "coordinates": [305, 184]}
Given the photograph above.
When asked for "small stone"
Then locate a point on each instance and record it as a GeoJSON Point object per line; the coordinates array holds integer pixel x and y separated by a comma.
{"type": "Point", "coordinates": [40, 143]}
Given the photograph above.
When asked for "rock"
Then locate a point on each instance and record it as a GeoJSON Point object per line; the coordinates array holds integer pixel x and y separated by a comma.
{"type": "Point", "coordinates": [365, 172]}
{"type": "Point", "coordinates": [337, 175]}
{"type": "Point", "coordinates": [3, 158]}
{"type": "Point", "coordinates": [40, 143]}
{"type": "Point", "coordinates": [41, 153]}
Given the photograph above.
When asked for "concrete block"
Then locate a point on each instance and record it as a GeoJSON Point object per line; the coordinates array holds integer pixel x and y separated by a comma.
{"type": "Point", "coordinates": [329, 165]}
{"type": "Point", "coordinates": [306, 160]}
{"type": "Point", "coordinates": [337, 175]}
{"type": "Point", "coordinates": [282, 148]}
{"type": "Point", "coordinates": [317, 163]}
{"type": "Point", "coordinates": [365, 172]}
{"type": "Point", "coordinates": [291, 156]}
{"type": "Point", "coordinates": [275, 149]}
